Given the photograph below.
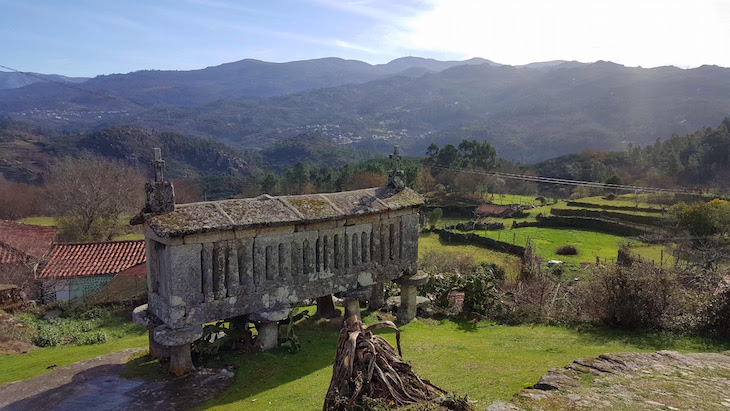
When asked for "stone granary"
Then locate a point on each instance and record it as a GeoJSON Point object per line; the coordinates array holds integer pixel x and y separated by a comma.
{"type": "Point", "coordinates": [256, 257]}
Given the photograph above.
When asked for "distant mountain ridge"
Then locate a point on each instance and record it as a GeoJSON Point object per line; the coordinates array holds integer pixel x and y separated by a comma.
{"type": "Point", "coordinates": [11, 80]}
{"type": "Point", "coordinates": [244, 78]}
{"type": "Point", "coordinates": [529, 113]}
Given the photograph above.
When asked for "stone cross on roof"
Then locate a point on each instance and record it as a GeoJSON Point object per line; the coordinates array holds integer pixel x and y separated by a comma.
{"type": "Point", "coordinates": [159, 165]}
{"type": "Point", "coordinates": [396, 177]}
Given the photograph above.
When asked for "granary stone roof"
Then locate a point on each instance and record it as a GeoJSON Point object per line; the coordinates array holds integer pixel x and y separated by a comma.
{"type": "Point", "coordinates": [266, 210]}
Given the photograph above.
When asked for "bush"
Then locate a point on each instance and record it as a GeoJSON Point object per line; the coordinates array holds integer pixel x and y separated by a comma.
{"type": "Point", "coordinates": [566, 250]}
{"type": "Point", "coordinates": [47, 337]}
{"type": "Point", "coordinates": [637, 296]}
{"type": "Point", "coordinates": [717, 311]}
{"type": "Point", "coordinates": [610, 196]}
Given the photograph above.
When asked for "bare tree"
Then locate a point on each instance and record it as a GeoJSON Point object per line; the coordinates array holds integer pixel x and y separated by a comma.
{"type": "Point", "coordinates": [92, 194]}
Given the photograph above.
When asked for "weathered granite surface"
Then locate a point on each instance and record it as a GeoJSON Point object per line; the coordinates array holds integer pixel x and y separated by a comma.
{"type": "Point", "coordinates": [665, 380]}
{"type": "Point", "coordinates": [266, 211]}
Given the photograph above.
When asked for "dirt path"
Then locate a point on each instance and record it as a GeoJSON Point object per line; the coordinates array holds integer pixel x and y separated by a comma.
{"type": "Point", "coordinates": [95, 384]}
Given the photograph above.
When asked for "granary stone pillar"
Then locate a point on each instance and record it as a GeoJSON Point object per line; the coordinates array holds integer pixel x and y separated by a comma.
{"type": "Point", "coordinates": [352, 308]}
{"type": "Point", "coordinates": [141, 316]}
{"type": "Point", "coordinates": [181, 361]}
{"type": "Point", "coordinates": [377, 296]}
{"type": "Point", "coordinates": [326, 307]}
{"type": "Point", "coordinates": [267, 324]}
{"type": "Point", "coordinates": [352, 301]}
{"type": "Point", "coordinates": [409, 295]}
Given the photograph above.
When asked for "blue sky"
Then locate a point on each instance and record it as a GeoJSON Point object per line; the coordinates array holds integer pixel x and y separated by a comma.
{"type": "Point", "coordinates": [86, 38]}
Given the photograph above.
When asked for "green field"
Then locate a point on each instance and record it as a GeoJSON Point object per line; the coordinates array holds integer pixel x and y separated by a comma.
{"type": "Point", "coordinates": [51, 222]}
{"type": "Point", "coordinates": [590, 244]}
{"type": "Point", "coordinates": [430, 242]}
{"type": "Point", "coordinates": [623, 200]}
{"type": "Point", "coordinates": [488, 362]}
{"type": "Point", "coordinates": [44, 221]}
{"type": "Point", "coordinates": [120, 335]}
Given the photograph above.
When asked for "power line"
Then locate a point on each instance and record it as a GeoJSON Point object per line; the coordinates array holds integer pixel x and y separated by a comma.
{"type": "Point", "coordinates": [563, 181]}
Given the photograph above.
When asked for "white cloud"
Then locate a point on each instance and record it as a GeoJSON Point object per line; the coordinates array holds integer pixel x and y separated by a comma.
{"type": "Point", "coordinates": [631, 32]}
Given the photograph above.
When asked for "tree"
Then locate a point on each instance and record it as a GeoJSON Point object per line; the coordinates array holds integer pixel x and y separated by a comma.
{"type": "Point", "coordinates": [91, 194]}
{"type": "Point", "coordinates": [703, 219]}
{"type": "Point", "coordinates": [477, 154]}
{"type": "Point", "coordinates": [18, 200]}
{"type": "Point", "coordinates": [434, 216]}
{"type": "Point", "coordinates": [366, 179]}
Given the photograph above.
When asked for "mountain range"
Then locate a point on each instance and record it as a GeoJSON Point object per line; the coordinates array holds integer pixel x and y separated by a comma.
{"type": "Point", "coordinates": [529, 113]}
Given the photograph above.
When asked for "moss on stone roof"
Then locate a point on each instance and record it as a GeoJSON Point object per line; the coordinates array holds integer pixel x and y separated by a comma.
{"type": "Point", "coordinates": [265, 210]}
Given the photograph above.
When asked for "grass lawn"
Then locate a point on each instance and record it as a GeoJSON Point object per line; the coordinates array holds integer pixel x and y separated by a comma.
{"type": "Point", "coordinates": [623, 200]}
{"type": "Point", "coordinates": [589, 243]}
{"type": "Point", "coordinates": [44, 221]}
{"type": "Point", "coordinates": [511, 263]}
{"type": "Point", "coordinates": [487, 362]}
{"type": "Point", "coordinates": [627, 212]}
{"type": "Point", "coordinates": [123, 334]}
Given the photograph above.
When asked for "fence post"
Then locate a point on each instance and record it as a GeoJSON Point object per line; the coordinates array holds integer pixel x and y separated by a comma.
{"type": "Point", "coordinates": [661, 259]}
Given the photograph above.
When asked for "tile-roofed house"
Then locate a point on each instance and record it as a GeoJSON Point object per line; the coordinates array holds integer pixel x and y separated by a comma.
{"type": "Point", "coordinates": [10, 255]}
{"type": "Point", "coordinates": [32, 240]}
{"type": "Point", "coordinates": [77, 269]}
{"type": "Point", "coordinates": [22, 248]}
{"type": "Point", "coordinates": [494, 210]}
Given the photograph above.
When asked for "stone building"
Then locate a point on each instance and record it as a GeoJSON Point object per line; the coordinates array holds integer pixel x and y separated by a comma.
{"type": "Point", "coordinates": [256, 257]}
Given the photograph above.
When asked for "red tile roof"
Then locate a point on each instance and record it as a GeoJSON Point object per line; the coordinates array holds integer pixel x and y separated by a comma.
{"type": "Point", "coordinates": [9, 255]}
{"type": "Point", "coordinates": [80, 260]}
{"type": "Point", "coordinates": [140, 270]}
{"type": "Point", "coordinates": [491, 209]}
{"type": "Point", "coordinates": [33, 240]}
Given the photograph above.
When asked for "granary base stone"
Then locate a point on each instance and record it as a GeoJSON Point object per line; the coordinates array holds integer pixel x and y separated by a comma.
{"type": "Point", "coordinates": [377, 296]}
{"type": "Point", "coordinates": [181, 361]}
{"type": "Point", "coordinates": [326, 307]}
{"type": "Point", "coordinates": [268, 335]}
{"type": "Point", "coordinates": [409, 295]}
{"type": "Point", "coordinates": [267, 324]}
{"type": "Point", "coordinates": [352, 308]}
{"type": "Point", "coordinates": [141, 316]}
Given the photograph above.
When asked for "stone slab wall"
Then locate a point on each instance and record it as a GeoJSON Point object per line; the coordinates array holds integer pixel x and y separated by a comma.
{"type": "Point", "coordinates": [221, 275]}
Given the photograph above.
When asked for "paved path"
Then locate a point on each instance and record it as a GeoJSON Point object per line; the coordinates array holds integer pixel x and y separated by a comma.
{"type": "Point", "coordinates": [95, 384]}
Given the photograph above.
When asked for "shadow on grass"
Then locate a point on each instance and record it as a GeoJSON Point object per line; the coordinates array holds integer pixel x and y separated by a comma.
{"type": "Point", "coordinates": [258, 372]}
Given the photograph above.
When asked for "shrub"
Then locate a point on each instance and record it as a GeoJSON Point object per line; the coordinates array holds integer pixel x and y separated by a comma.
{"type": "Point", "coordinates": [566, 250]}
{"type": "Point", "coordinates": [610, 196]}
{"type": "Point", "coordinates": [47, 337]}
{"type": "Point", "coordinates": [91, 338]}
{"type": "Point", "coordinates": [637, 296]}
{"type": "Point", "coordinates": [717, 311]}
{"type": "Point", "coordinates": [433, 216]}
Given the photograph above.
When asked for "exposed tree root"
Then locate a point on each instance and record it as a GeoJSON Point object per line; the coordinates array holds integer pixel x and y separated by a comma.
{"type": "Point", "coordinates": [366, 365]}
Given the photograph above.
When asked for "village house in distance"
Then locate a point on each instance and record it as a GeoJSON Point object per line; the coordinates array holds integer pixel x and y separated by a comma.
{"type": "Point", "coordinates": [257, 257]}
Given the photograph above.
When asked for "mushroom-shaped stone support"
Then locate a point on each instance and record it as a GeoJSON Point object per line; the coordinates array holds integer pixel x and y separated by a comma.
{"type": "Point", "coordinates": [352, 301]}
{"type": "Point", "coordinates": [267, 324]}
{"type": "Point", "coordinates": [408, 295]}
{"type": "Point", "coordinates": [181, 362]}
{"type": "Point", "coordinates": [141, 316]}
